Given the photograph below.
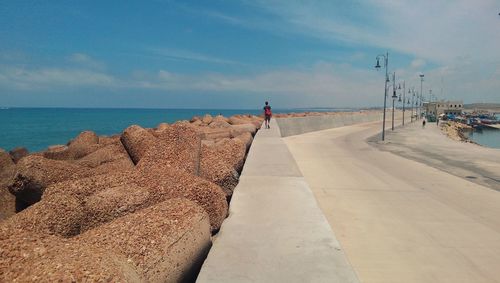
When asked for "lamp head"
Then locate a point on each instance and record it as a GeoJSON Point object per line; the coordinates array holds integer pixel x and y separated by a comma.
{"type": "Point", "coordinates": [399, 100]}
{"type": "Point", "coordinates": [394, 96]}
{"type": "Point", "coordinates": [378, 64]}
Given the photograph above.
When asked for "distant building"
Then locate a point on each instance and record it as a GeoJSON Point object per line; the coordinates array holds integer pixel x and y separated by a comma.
{"type": "Point", "coordinates": [436, 108]}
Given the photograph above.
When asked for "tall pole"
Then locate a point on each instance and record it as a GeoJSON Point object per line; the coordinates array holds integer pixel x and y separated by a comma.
{"type": "Point", "coordinates": [412, 96]}
{"type": "Point", "coordinates": [393, 96]}
{"type": "Point", "coordinates": [404, 102]}
{"type": "Point", "coordinates": [386, 61]}
{"type": "Point", "coordinates": [417, 106]}
{"type": "Point", "coordinates": [421, 93]}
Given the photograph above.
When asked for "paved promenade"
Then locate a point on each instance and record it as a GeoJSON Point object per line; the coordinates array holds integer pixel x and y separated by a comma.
{"type": "Point", "coordinates": [397, 219]}
{"type": "Point", "coordinates": [476, 163]}
{"type": "Point", "coordinates": [275, 231]}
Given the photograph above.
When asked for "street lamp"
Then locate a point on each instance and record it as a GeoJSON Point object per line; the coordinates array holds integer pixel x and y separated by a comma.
{"type": "Point", "coordinates": [377, 66]}
{"type": "Point", "coordinates": [394, 96]}
{"type": "Point", "coordinates": [421, 92]}
{"type": "Point", "coordinates": [404, 91]}
{"type": "Point", "coordinates": [429, 103]}
{"type": "Point", "coordinates": [413, 103]}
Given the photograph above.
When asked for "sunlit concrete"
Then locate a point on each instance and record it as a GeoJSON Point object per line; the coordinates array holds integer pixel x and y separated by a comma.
{"type": "Point", "coordinates": [400, 220]}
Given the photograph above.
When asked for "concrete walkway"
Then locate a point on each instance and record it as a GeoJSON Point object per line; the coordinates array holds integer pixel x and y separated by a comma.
{"type": "Point", "coordinates": [399, 220]}
{"type": "Point", "coordinates": [429, 145]}
{"type": "Point", "coordinates": [275, 231]}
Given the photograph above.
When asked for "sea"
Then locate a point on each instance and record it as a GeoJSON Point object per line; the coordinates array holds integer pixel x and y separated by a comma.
{"type": "Point", "coordinates": [38, 128]}
{"type": "Point", "coordinates": [486, 137]}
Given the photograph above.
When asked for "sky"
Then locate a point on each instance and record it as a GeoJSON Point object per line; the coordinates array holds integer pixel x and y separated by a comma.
{"type": "Point", "coordinates": [239, 53]}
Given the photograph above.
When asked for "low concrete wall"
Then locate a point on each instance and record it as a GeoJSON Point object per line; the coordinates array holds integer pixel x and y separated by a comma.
{"type": "Point", "coordinates": [301, 125]}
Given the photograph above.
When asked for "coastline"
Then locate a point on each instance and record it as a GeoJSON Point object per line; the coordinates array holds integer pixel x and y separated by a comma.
{"type": "Point", "coordinates": [456, 131]}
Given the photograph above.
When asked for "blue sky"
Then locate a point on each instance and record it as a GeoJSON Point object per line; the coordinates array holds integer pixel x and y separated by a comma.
{"type": "Point", "coordinates": [236, 54]}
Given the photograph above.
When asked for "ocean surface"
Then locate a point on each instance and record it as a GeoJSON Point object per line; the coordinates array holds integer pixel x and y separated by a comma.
{"type": "Point", "coordinates": [38, 128]}
{"type": "Point", "coordinates": [486, 137]}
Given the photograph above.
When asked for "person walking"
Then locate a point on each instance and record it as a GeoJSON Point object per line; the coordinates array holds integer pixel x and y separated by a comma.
{"type": "Point", "coordinates": [267, 115]}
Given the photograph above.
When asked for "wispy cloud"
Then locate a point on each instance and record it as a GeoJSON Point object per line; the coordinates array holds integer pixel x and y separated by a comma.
{"type": "Point", "coordinates": [186, 55]}
{"type": "Point", "coordinates": [439, 31]}
{"type": "Point", "coordinates": [85, 60]}
{"type": "Point", "coordinates": [51, 78]}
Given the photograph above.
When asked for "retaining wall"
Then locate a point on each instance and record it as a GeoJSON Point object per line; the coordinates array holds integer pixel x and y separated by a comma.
{"type": "Point", "coordinates": [300, 125]}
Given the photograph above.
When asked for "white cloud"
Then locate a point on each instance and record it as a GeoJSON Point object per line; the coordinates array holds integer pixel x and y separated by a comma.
{"type": "Point", "coordinates": [440, 31]}
{"type": "Point", "coordinates": [417, 63]}
{"type": "Point", "coordinates": [86, 61]}
{"type": "Point", "coordinates": [327, 83]}
{"type": "Point", "coordinates": [51, 78]}
{"type": "Point", "coordinates": [186, 55]}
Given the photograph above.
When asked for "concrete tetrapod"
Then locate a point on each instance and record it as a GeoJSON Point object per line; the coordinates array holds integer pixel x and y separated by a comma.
{"type": "Point", "coordinates": [163, 243]}
{"type": "Point", "coordinates": [35, 173]}
{"type": "Point", "coordinates": [137, 142]}
{"type": "Point", "coordinates": [7, 200]}
{"type": "Point", "coordinates": [166, 242]}
{"type": "Point", "coordinates": [106, 197]}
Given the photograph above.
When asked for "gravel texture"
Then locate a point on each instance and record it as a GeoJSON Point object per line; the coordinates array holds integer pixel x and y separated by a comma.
{"type": "Point", "coordinates": [7, 200]}
{"type": "Point", "coordinates": [245, 138]}
{"type": "Point", "coordinates": [5, 160]}
{"type": "Point", "coordinates": [178, 146]}
{"type": "Point", "coordinates": [28, 257]}
{"type": "Point", "coordinates": [215, 169]}
{"type": "Point", "coordinates": [35, 173]}
{"type": "Point", "coordinates": [60, 215]}
{"type": "Point", "coordinates": [237, 130]}
{"type": "Point", "coordinates": [137, 142]}
{"type": "Point", "coordinates": [85, 143]}
{"type": "Point", "coordinates": [110, 158]}
{"type": "Point", "coordinates": [135, 207]}
{"type": "Point", "coordinates": [160, 242]}
{"type": "Point", "coordinates": [106, 197]}
{"type": "Point", "coordinates": [17, 153]}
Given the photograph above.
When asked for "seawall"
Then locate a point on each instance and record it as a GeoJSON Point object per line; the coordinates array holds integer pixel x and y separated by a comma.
{"type": "Point", "coordinates": [300, 125]}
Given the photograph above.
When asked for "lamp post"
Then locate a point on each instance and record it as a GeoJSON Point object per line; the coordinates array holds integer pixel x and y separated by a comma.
{"type": "Point", "coordinates": [417, 105]}
{"type": "Point", "coordinates": [408, 104]}
{"type": "Point", "coordinates": [429, 103]}
{"type": "Point", "coordinates": [412, 97]}
{"type": "Point", "coordinates": [404, 92]}
{"type": "Point", "coordinates": [421, 92]}
{"type": "Point", "coordinates": [394, 96]}
{"type": "Point", "coordinates": [377, 66]}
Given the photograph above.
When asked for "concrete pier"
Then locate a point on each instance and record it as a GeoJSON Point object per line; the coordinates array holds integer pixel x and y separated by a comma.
{"type": "Point", "coordinates": [382, 217]}
{"type": "Point", "coordinates": [401, 220]}
{"type": "Point", "coordinates": [275, 231]}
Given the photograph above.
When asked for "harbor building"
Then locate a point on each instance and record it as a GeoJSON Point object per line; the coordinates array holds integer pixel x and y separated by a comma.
{"type": "Point", "coordinates": [436, 108]}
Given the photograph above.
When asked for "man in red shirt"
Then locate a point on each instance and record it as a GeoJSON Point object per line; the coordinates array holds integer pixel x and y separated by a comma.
{"type": "Point", "coordinates": [267, 114]}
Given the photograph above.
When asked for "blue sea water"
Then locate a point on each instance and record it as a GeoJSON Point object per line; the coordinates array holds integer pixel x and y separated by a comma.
{"type": "Point", "coordinates": [486, 137]}
{"type": "Point", "coordinates": [38, 128]}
